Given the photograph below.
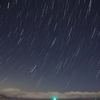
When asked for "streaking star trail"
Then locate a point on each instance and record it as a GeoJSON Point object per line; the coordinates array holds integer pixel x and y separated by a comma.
{"type": "Point", "coordinates": [50, 46]}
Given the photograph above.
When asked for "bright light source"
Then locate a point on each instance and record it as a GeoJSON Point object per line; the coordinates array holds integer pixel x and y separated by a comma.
{"type": "Point", "coordinates": [54, 98]}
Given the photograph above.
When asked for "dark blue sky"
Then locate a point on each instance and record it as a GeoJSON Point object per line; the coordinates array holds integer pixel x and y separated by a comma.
{"type": "Point", "coordinates": [50, 45]}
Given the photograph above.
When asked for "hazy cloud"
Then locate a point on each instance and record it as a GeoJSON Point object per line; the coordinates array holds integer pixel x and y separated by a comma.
{"type": "Point", "coordinates": [11, 92]}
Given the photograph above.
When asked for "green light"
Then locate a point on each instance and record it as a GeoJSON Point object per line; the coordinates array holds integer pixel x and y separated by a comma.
{"type": "Point", "coordinates": [54, 98]}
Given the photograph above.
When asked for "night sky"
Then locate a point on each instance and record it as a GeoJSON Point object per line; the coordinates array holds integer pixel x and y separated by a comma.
{"type": "Point", "coordinates": [50, 45]}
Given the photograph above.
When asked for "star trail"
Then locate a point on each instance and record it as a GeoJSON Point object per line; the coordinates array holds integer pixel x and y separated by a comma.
{"type": "Point", "coordinates": [50, 45]}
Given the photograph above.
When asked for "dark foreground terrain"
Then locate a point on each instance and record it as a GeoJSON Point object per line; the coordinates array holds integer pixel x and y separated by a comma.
{"type": "Point", "coordinates": [46, 99]}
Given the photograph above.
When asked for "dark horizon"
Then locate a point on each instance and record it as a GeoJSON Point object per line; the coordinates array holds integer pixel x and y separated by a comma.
{"type": "Point", "coordinates": [13, 98]}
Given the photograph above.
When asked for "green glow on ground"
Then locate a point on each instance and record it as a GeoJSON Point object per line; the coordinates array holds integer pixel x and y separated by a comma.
{"type": "Point", "coordinates": [54, 98]}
